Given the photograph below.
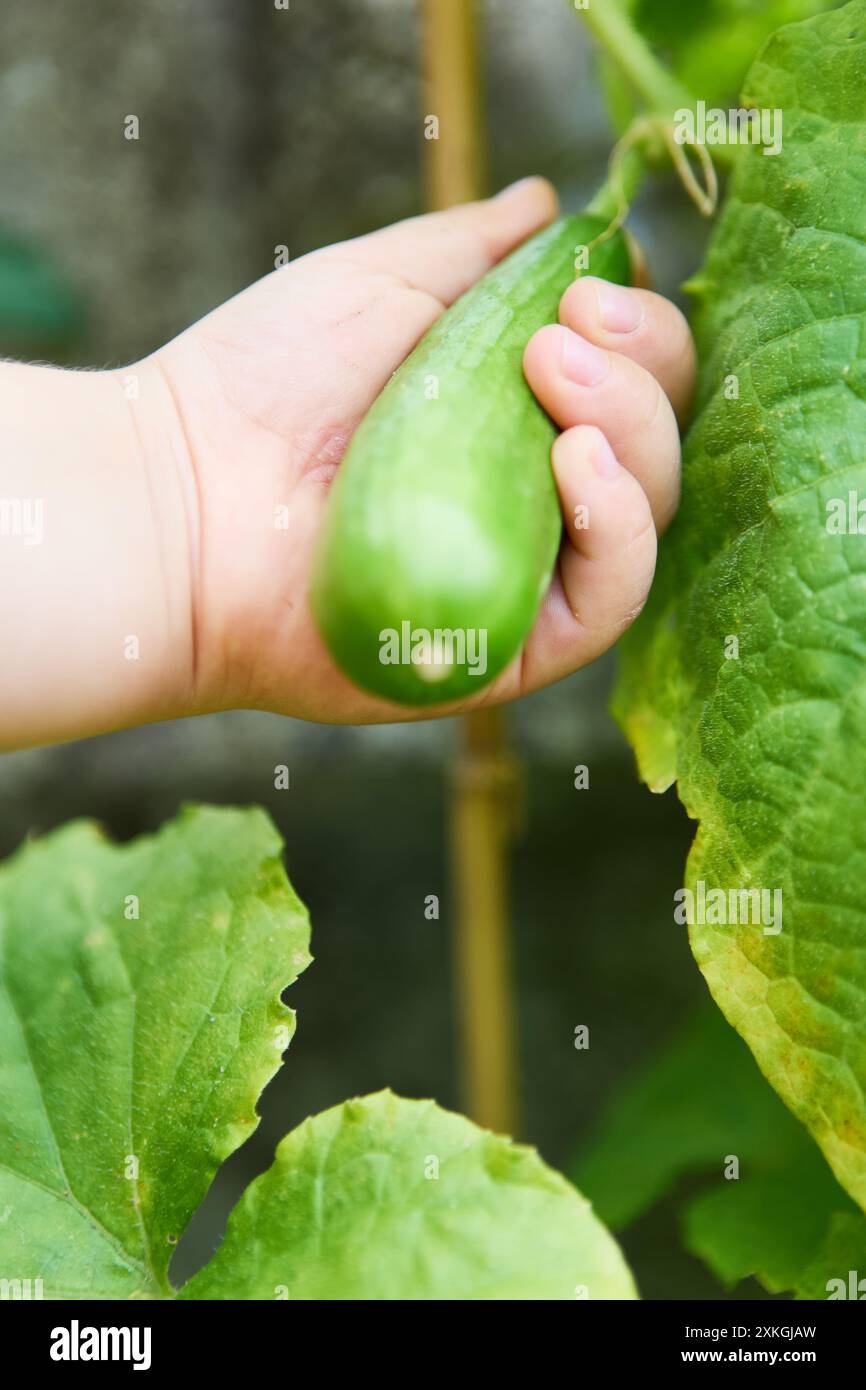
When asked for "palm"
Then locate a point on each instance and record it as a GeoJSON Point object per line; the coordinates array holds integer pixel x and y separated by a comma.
{"type": "Point", "coordinates": [270, 388]}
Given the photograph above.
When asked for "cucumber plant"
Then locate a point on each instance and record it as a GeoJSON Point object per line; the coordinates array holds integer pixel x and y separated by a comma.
{"type": "Point", "coordinates": [743, 681]}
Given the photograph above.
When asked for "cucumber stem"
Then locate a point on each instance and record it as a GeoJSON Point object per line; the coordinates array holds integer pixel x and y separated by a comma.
{"type": "Point", "coordinates": [660, 91]}
{"type": "Point", "coordinates": [623, 180]}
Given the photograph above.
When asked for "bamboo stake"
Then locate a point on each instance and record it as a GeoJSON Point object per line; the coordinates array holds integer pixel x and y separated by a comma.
{"type": "Point", "coordinates": [484, 778]}
{"type": "Point", "coordinates": [482, 818]}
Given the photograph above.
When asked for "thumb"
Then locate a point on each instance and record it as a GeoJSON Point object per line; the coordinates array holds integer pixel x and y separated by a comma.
{"type": "Point", "coordinates": [443, 253]}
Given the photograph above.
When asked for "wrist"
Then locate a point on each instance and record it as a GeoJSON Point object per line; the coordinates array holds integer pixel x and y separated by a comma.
{"type": "Point", "coordinates": [95, 613]}
{"type": "Point", "coordinates": [161, 477]}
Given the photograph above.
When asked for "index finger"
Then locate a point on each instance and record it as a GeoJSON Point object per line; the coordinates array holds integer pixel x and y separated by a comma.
{"type": "Point", "coordinates": [640, 325]}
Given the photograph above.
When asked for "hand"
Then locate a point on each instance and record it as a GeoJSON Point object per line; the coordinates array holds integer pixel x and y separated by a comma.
{"type": "Point", "coordinates": [270, 387]}
{"type": "Point", "coordinates": [167, 584]}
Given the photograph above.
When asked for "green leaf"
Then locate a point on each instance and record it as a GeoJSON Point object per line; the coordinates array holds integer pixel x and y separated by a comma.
{"type": "Point", "coordinates": [384, 1198]}
{"type": "Point", "coordinates": [140, 1018]}
{"type": "Point", "coordinates": [129, 1038]}
{"type": "Point", "coordinates": [686, 1114]}
{"type": "Point", "coordinates": [768, 738]}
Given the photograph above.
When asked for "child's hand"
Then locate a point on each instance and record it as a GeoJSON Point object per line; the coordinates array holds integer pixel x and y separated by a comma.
{"type": "Point", "coordinates": [270, 387]}
{"type": "Point", "coordinates": [178, 501]}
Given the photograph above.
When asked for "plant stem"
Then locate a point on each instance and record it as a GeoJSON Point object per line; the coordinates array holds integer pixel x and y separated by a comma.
{"type": "Point", "coordinates": [660, 91]}
{"type": "Point", "coordinates": [621, 184]}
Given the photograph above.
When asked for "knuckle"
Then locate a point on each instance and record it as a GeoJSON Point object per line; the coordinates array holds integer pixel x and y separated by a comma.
{"type": "Point", "coordinates": [574, 306]}
{"type": "Point", "coordinates": [655, 410]}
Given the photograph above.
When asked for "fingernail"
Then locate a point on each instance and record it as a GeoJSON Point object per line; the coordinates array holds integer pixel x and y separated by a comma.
{"type": "Point", "coordinates": [582, 361]}
{"type": "Point", "coordinates": [620, 310]}
{"type": "Point", "coordinates": [604, 460]}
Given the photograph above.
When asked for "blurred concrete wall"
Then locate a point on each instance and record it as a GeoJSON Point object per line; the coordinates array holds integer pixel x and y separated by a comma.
{"type": "Point", "coordinates": [258, 126]}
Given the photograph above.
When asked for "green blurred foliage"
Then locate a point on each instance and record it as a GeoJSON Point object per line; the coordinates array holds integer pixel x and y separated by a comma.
{"type": "Point", "coordinates": [699, 1102]}
{"type": "Point", "coordinates": [40, 313]}
{"type": "Point", "coordinates": [709, 46]}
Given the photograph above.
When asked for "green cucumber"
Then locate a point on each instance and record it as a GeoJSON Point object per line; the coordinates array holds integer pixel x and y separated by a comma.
{"type": "Point", "coordinates": [443, 524]}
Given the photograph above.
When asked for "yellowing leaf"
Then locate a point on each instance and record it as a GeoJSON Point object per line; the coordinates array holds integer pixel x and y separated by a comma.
{"type": "Point", "coordinates": [746, 678]}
